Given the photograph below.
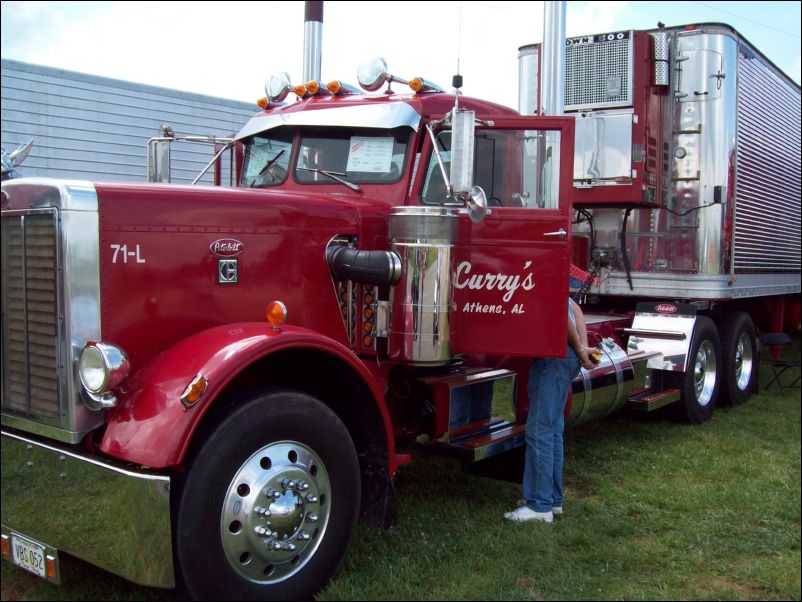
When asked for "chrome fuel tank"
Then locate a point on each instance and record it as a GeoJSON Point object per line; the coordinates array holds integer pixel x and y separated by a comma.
{"type": "Point", "coordinates": [603, 390]}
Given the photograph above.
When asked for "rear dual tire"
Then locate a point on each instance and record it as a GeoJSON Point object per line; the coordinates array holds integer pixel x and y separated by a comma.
{"type": "Point", "coordinates": [740, 365]}
{"type": "Point", "coordinates": [700, 383]}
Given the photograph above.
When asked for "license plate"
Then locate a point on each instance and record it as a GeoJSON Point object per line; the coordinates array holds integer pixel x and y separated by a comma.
{"type": "Point", "coordinates": [28, 555]}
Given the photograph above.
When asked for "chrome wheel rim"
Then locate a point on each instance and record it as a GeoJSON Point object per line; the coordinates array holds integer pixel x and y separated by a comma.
{"type": "Point", "coordinates": [704, 373]}
{"type": "Point", "coordinates": [744, 361]}
{"type": "Point", "coordinates": [276, 511]}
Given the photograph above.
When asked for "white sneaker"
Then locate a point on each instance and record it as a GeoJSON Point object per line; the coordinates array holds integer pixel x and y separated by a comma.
{"type": "Point", "coordinates": [525, 514]}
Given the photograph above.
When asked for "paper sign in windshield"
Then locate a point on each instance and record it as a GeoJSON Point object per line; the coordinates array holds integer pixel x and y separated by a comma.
{"type": "Point", "coordinates": [370, 154]}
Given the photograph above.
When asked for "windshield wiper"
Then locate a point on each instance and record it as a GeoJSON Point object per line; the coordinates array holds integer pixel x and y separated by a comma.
{"type": "Point", "coordinates": [267, 166]}
{"type": "Point", "coordinates": [334, 176]}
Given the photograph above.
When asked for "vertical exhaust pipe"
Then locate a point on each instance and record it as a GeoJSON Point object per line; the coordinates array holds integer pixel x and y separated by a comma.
{"type": "Point", "coordinates": [313, 40]}
{"type": "Point", "coordinates": [552, 94]}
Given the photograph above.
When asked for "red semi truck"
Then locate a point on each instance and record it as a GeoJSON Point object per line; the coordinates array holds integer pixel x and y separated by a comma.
{"type": "Point", "coordinates": [221, 378]}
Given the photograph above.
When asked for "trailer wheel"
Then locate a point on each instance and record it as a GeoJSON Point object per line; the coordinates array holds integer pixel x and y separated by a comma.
{"type": "Point", "coordinates": [739, 354]}
{"type": "Point", "coordinates": [271, 501]}
{"type": "Point", "coordinates": [700, 383]}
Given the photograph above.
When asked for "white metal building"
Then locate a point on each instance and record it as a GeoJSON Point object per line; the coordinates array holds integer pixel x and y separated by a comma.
{"type": "Point", "coordinates": [97, 128]}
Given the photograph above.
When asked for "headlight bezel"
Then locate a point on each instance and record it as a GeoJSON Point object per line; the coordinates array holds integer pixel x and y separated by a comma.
{"type": "Point", "coordinates": [110, 360]}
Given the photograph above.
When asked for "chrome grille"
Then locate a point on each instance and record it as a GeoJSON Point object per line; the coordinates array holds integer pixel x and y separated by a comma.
{"type": "Point", "coordinates": [598, 71]}
{"type": "Point", "coordinates": [768, 172]}
{"type": "Point", "coordinates": [30, 316]}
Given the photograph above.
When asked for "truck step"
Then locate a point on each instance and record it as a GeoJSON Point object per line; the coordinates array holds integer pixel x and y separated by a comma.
{"type": "Point", "coordinates": [648, 400]}
{"type": "Point", "coordinates": [483, 444]}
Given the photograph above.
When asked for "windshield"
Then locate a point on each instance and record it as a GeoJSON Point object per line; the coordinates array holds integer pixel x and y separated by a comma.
{"type": "Point", "coordinates": [267, 158]}
{"type": "Point", "coordinates": [356, 155]}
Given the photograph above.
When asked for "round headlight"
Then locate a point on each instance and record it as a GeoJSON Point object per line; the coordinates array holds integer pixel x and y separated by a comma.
{"type": "Point", "coordinates": [102, 367]}
{"type": "Point", "coordinates": [92, 369]}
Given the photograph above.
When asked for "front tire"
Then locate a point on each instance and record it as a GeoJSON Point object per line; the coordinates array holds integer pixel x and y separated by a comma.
{"type": "Point", "coordinates": [701, 381]}
{"type": "Point", "coordinates": [271, 501]}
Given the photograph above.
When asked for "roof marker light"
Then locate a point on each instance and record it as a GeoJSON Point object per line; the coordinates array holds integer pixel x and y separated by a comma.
{"type": "Point", "coordinates": [316, 88]}
{"type": "Point", "coordinates": [339, 88]}
{"type": "Point", "coordinates": [421, 86]}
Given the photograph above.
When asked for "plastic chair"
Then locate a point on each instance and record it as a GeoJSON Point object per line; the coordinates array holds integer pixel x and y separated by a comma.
{"type": "Point", "coordinates": [786, 357]}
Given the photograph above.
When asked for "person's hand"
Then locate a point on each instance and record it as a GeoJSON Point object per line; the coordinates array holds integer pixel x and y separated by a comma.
{"type": "Point", "coordinates": [584, 359]}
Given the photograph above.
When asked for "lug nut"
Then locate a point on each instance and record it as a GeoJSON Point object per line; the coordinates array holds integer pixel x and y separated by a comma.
{"type": "Point", "coordinates": [289, 547]}
{"type": "Point", "coordinates": [312, 499]}
{"type": "Point", "coordinates": [272, 493]}
{"type": "Point", "coordinates": [287, 484]}
{"type": "Point", "coordinates": [311, 518]}
{"type": "Point", "coordinates": [302, 486]}
{"type": "Point", "coordinates": [303, 536]}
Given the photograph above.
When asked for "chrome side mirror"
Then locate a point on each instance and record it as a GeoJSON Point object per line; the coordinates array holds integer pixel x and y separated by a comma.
{"type": "Point", "coordinates": [462, 151]}
{"type": "Point", "coordinates": [159, 155]}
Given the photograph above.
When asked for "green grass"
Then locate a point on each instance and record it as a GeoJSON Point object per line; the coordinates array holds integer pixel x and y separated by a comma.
{"type": "Point", "coordinates": [654, 510]}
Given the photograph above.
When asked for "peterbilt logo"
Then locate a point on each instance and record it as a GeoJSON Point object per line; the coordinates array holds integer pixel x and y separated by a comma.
{"type": "Point", "coordinates": [226, 247]}
{"type": "Point", "coordinates": [666, 308]}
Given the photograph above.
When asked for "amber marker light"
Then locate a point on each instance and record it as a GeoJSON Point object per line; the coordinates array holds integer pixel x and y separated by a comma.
{"type": "Point", "coordinates": [334, 86]}
{"type": "Point", "coordinates": [6, 551]}
{"type": "Point", "coordinates": [312, 86]}
{"type": "Point", "coordinates": [300, 90]}
{"type": "Point", "coordinates": [194, 391]}
{"type": "Point", "coordinates": [262, 103]}
{"type": "Point", "coordinates": [420, 86]}
{"type": "Point", "coordinates": [276, 314]}
{"type": "Point", "coordinates": [51, 567]}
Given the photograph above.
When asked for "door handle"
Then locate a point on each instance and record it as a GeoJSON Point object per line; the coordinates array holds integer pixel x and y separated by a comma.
{"type": "Point", "coordinates": [561, 233]}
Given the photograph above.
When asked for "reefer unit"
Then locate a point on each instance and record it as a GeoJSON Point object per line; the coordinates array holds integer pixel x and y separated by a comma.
{"type": "Point", "coordinates": [687, 162]}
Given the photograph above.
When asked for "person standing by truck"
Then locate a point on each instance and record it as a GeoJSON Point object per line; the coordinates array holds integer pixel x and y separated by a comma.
{"type": "Point", "coordinates": [549, 382]}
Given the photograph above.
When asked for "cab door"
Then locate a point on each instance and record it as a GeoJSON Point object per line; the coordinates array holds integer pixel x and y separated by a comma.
{"type": "Point", "coordinates": [510, 271]}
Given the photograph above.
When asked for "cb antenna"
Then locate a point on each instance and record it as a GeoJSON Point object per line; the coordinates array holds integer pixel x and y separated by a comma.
{"type": "Point", "coordinates": [456, 81]}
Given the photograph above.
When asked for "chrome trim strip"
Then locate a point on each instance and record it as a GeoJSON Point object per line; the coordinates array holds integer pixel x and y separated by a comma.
{"type": "Point", "coordinates": [699, 286]}
{"type": "Point", "coordinates": [655, 334]}
{"type": "Point", "coordinates": [89, 493]}
{"type": "Point", "coordinates": [384, 116]}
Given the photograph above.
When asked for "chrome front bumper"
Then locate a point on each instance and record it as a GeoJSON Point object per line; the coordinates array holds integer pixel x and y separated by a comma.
{"type": "Point", "coordinates": [114, 518]}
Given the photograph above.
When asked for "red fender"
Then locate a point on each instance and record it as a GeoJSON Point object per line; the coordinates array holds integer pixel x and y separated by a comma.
{"type": "Point", "coordinates": [153, 428]}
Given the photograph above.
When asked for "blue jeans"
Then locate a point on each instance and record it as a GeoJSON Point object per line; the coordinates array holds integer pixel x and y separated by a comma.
{"type": "Point", "coordinates": [549, 383]}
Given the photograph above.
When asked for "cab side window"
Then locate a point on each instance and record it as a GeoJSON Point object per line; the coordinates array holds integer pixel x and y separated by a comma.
{"type": "Point", "coordinates": [515, 168]}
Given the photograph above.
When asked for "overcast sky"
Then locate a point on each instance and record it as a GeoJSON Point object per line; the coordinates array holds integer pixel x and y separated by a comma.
{"type": "Point", "coordinates": [227, 49]}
